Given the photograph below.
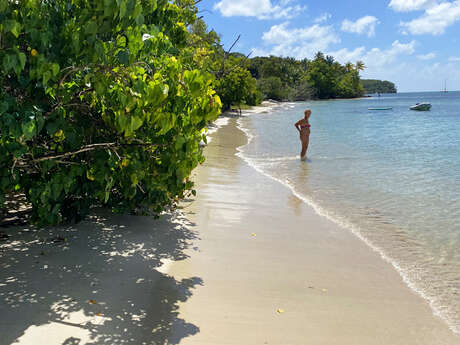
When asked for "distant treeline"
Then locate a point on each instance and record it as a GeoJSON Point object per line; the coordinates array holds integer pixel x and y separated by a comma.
{"type": "Point", "coordinates": [241, 80]}
{"type": "Point", "coordinates": [296, 80]}
{"type": "Point", "coordinates": [378, 86]}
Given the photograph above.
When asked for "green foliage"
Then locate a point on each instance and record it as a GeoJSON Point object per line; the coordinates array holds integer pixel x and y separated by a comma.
{"type": "Point", "coordinates": [333, 80]}
{"type": "Point", "coordinates": [290, 79]}
{"type": "Point", "coordinates": [272, 88]}
{"type": "Point", "coordinates": [237, 87]}
{"type": "Point", "coordinates": [100, 104]}
{"type": "Point", "coordinates": [378, 86]}
{"type": "Point", "coordinates": [281, 78]}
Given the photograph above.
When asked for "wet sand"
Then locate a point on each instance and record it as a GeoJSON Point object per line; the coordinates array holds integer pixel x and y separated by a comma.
{"type": "Point", "coordinates": [275, 272]}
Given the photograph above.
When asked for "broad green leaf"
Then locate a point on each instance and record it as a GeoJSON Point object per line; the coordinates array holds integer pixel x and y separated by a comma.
{"type": "Point", "coordinates": [28, 130]}
{"type": "Point", "coordinates": [46, 77]}
{"type": "Point", "coordinates": [22, 59]}
{"type": "Point", "coordinates": [8, 62]}
{"type": "Point", "coordinates": [136, 122]}
{"type": "Point", "coordinates": [91, 28]}
{"type": "Point", "coordinates": [55, 69]}
{"type": "Point", "coordinates": [13, 26]}
{"type": "Point", "coordinates": [122, 9]}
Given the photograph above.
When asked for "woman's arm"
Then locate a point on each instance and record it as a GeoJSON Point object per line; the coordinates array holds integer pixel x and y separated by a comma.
{"type": "Point", "coordinates": [297, 124]}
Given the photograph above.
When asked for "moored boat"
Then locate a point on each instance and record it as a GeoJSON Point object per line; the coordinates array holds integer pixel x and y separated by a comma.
{"type": "Point", "coordinates": [421, 106]}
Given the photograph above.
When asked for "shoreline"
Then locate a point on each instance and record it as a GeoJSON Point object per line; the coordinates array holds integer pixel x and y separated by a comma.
{"type": "Point", "coordinates": [414, 323]}
{"type": "Point", "coordinates": [446, 310]}
{"type": "Point", "coordinates": [347, 226]}
{"type": "Point", "coordinates": [271, 105]}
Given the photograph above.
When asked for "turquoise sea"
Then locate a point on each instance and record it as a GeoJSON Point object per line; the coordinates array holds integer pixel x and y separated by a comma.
{"type": "Point", "coordinates": [391, 177]}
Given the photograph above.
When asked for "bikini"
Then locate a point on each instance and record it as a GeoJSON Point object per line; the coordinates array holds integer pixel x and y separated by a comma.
{"type": "Point", "coordinates": [304, 126]}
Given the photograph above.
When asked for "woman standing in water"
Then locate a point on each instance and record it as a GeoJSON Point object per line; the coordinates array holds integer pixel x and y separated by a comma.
{"type": "Point", "coordinates": [303, 126]}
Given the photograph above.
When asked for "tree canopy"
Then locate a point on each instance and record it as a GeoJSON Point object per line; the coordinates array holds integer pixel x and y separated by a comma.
{"type": "Point", "coordinates": [321, 78]}
{"type": "Point", "coordinates": [378, 86]}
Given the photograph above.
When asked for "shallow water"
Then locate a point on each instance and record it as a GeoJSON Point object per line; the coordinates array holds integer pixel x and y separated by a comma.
{"type": "Point", "coordinates": [392, 177]}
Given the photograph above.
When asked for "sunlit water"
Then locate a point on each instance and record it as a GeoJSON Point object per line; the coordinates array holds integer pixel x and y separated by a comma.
{"type": "Point", "coordinates": [392, 177]}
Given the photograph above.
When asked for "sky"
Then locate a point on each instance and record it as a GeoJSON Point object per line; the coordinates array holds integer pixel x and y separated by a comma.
{"type": "Point", "coordinates": [413, 43]}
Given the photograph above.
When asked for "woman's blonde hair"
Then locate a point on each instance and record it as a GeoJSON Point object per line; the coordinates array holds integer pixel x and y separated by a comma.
{"type": "Point", "coordinates": [307, 111]}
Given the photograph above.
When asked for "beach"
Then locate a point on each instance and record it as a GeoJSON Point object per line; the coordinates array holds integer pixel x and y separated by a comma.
{"type": "Point", "coordinates": [244, 262]}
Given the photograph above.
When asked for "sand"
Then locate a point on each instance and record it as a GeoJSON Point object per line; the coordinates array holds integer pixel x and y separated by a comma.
{"type": "Point", "coordinates": [245, 262]}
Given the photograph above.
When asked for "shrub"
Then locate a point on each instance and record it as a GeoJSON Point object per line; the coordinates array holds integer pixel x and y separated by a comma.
{"type": "Point", "coordinates": [96, 106]}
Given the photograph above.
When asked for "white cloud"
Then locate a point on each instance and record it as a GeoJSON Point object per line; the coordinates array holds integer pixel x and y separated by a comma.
{"type": "Point", "coordinates": [261, 9]}
{"type": "Point", "coordinates": [259, 52]}
{"type": "Point", "coordinates": [428, 56]}
{"type": "Point", "coordinates": [375, 58]}
{"type": "Point", "coordinates": [415, 77]}
{"type": "Point", "coordinates": [322, 18]}
{"type": "Point", "coordinates": [344, 55]}
{"type": "Point", "coordinates": [435, 20]}
{"type": "Point", "coordinates": [411, 5]}
{"type": "Point", "coordinates": [454, 59]}
{"type": "Point", "coordinates": [298, 42]}
{"type": "Point", "coordinates": [364, 25]}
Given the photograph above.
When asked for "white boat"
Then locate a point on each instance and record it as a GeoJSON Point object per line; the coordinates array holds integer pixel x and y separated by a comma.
{"type": "Point", "coordinates": [421, 106]}
{"type": "Point", "coordinates": [380, 108]}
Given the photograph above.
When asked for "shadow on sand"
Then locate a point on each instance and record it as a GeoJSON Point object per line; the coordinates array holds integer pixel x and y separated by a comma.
{"type": "Point", "coordinates": [99, 282]}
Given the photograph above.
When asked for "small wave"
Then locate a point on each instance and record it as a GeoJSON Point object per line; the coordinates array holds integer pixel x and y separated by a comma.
{"type": "Point", "coordinates": [276, 159]}
{"type": "Point", "coordinates": [213, 127]}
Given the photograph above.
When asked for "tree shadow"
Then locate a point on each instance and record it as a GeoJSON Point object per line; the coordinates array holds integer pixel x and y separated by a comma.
{"type": "Point", "coordinates": [99, 282]}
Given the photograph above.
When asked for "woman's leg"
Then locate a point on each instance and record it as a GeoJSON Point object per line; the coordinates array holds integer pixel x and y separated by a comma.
{"type": "Point", "coordinates": [305, 141]}
{"type": "Point", "coordinates": [304, 147]}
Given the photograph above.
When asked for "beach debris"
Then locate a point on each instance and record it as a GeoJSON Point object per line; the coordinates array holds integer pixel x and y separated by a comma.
{"type": "Point", "coordinates": [92, 301]}
{"type": "Point", "coordinates": [98, 314]}
{"type": "Point", "coordinates": [311, 287]}
{"type": "Point", "coordinates": [253, 234]}
{"type": "Point", "coordinates": [324, 290]}
{"type": "Point", "coordinates": [280, 311]}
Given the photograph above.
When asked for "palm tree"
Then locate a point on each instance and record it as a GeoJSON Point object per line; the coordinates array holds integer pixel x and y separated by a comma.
{"type": "Point", "coordinates": [360, 66]}
{"type": "Point", "coordinates": [349, 66]}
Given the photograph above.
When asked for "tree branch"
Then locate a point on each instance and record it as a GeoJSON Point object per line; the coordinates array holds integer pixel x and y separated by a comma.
{"type": "Point", "coordinates": [240, 64]}
{"type": "Point", "coordinates": [83, 149]}
{"type": "Point", "coordinates": [86, 148]}
{"type": "Point", "coordinates": [226, 54]}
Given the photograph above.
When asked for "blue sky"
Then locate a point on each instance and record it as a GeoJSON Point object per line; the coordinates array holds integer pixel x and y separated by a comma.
{"type": "Point", "coordinates": [413, 43]}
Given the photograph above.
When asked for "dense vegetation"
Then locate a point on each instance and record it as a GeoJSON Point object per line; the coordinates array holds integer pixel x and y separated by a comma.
{"type": "Point", "coordinates": [105, 102]}
{"type": "Point", "coordinates": [321, 78]}
{"type": "Point", "coordinates": [101, 103]}
{"type": "Point", "coordinates": [378, 86]}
